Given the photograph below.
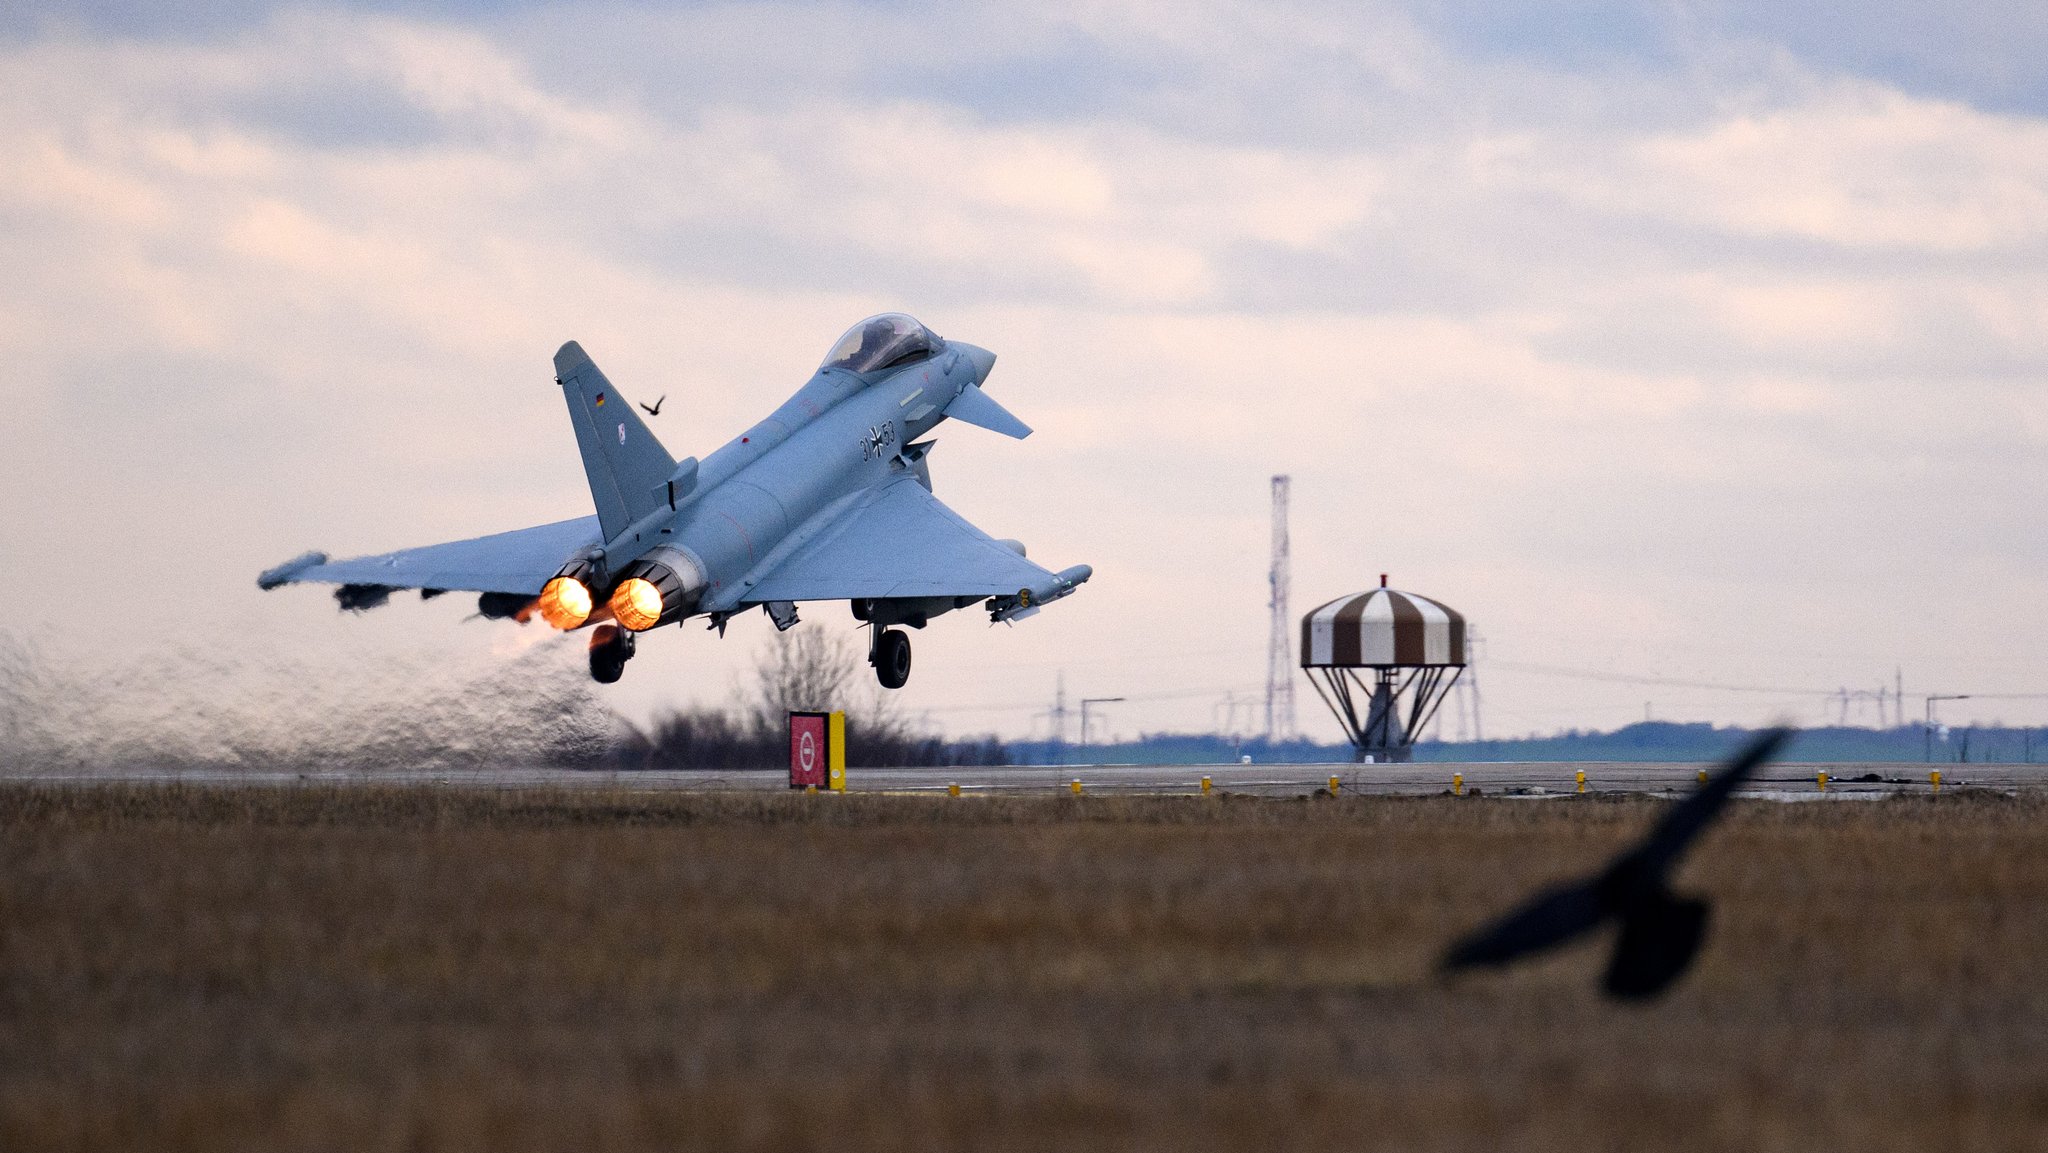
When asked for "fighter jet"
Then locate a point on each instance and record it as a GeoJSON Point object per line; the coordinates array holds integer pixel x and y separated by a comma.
{"type": "Point", "coordinates": [829, 498]}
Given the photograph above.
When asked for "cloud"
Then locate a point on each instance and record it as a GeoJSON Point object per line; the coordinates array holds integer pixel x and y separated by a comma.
{"type": "Point", "coordinates": [1858, 166]}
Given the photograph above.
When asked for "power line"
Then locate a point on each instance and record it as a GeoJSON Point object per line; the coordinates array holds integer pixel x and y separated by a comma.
{"type": "Point", "coordinates": [1712, 686]}
{"type": "Point", "coordinates": [1164, 695]}
{"type": "Point", "coordinates": [1665, 682]}
{"type": "Point", "coordinates": [1512, 666]}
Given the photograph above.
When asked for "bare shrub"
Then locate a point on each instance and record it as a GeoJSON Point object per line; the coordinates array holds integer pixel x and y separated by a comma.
{"type": "Point", "coordinates": [809, 668]}
{"type": "Point", "coordinates": [804, 669]}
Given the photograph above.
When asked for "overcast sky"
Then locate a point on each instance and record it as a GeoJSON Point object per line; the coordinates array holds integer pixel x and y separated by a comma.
{"type": "Point", "coordinates": [1694, 343]}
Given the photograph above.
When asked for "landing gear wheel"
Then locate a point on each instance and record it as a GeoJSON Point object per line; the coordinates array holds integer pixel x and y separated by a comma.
{"type": "Point", "coordinates": [610, 648]}
{"type": "Point", "coordinates": [891, 658]}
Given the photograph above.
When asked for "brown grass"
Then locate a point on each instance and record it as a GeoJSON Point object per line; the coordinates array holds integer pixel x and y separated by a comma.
{"type": "Point", "coordinates": [371, 969]}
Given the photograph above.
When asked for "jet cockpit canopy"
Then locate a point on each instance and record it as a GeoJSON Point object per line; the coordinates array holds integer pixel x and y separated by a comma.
{"type": "Point", "coordinates": [889, 340]}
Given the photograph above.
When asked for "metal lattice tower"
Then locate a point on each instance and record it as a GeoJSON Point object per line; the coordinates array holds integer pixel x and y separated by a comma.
{"type": "Point", "coordinates": [1279, 651]}
{"type": "Point", "coordinates": [1467, 686]}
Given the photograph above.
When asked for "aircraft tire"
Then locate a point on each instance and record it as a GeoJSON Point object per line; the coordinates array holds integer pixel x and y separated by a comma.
{"type": "Point", "coordinates": [610, 648]}
{"type": "Point", "coordinates": [892, 659]}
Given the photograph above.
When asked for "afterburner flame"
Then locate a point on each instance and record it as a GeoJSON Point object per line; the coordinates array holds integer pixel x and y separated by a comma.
{"type": "Point", "coordinates": [637, 604]}
{"type": "Point", "coordinates": [565, 603]}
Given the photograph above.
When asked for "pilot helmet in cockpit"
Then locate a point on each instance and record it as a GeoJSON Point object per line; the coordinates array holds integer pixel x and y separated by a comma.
{"type": "Point", "coordinates": [889, 340]}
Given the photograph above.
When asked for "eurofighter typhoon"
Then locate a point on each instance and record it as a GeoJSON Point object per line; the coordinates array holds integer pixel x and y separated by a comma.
{"type": "Point", "coordinates": [829, 498]}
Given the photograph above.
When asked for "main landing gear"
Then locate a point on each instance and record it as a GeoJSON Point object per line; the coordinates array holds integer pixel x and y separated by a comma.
{"type": "Point", "coordinates": [891, 657]}
{"type": "Point", "coordinates": [610, 648]}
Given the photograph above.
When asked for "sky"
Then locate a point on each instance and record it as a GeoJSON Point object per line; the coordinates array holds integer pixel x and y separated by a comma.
{"type": "Point", "coordinates": [1698, 353]}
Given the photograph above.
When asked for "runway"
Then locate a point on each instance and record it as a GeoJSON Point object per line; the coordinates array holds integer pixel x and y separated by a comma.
{"type": "Point", "coordinates": [1520, 780]}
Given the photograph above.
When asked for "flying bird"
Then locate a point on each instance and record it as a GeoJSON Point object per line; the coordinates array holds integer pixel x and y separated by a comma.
{"type": "Point", "coordinates": [655, 408]}
{"type": "Point", "coordinates": [1660, 931]}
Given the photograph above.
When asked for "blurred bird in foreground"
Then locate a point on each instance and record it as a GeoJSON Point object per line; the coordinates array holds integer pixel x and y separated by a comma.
{"type": "Point", "coordinates": [1660, 930]}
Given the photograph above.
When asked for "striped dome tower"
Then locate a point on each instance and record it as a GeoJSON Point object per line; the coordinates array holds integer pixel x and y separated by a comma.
{"type": "Point", "coordinates": [1394, 653]}
{"type": "Point", "coordinates": [1383, 627]}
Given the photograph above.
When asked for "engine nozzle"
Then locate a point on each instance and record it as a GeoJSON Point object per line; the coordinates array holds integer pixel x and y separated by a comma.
{"type": "Point", "coordinates": [661, 586]}
{"type": "Point", "coordinates": [637, 604]}
{"type": "Point", "coordinates": [565, 601]}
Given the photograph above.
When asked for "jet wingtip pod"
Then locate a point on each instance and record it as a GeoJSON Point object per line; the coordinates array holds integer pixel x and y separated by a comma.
{"type": "Point", "coordinates": [271, 578]}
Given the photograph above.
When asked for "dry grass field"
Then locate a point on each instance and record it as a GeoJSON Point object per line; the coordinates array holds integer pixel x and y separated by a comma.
{"type": "Point", "coordinates": [443, 969]}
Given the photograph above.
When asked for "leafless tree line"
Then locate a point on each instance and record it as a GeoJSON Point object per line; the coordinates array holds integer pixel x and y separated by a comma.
{"type": "Point", "coordinates": [806, 669]}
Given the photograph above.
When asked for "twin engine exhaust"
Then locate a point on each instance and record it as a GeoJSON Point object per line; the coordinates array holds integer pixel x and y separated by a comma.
{"type": "Point", "coordinates": [662, 585]}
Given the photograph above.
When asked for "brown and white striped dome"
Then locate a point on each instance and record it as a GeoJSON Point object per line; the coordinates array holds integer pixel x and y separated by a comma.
{"type": "Point", "coordinates": [1382, 627]}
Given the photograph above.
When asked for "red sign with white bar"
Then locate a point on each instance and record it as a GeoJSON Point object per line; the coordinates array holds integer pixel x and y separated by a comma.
{"type": "Point", "coordinates": [807, 751]}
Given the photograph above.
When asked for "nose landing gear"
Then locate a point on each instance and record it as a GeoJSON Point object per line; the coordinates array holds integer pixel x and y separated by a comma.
{"type": "Point", "coordinates": [891, 658]}
{"type": "Point", "coordinates": [610, 648]}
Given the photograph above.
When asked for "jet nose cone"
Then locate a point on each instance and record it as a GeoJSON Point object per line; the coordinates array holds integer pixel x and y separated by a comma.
{"type": "Point", "coordinates": [979, 360]}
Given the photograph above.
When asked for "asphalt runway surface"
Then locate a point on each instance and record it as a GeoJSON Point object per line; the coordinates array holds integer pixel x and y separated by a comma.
{"type": "Point", "coordinates": [1525, 779]}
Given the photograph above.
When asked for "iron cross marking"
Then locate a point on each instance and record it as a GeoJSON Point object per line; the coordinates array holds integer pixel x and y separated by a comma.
{"type": "Point", "coordinates": [878, 438]}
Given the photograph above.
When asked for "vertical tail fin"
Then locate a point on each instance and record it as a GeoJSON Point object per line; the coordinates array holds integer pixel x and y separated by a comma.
{"type": "Point", "coordinates": [628, 468]}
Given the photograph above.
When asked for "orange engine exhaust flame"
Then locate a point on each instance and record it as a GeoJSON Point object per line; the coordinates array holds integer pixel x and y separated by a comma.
{"type": "Point", "coordinates": [565, 603]}
{"type": "Point", "coordinates": [637, 604]}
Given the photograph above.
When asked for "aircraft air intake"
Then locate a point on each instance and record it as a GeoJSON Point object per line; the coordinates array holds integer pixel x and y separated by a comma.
{"type": "Point", "coordinates": [659, 587]}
